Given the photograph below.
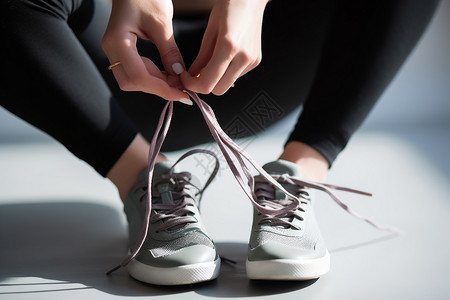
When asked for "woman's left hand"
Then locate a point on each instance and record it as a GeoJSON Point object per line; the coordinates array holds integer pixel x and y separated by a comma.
{"type": "Point", "coordinates": [231, 46]}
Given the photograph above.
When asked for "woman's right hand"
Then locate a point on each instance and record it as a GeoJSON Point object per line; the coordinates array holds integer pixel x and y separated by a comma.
{"type": "Point", "coordinates": [150, 20]}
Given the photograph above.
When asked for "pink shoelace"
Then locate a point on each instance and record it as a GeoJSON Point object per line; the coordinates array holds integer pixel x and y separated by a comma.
{"type": "Point", "coordinates": [178, 212]}
{"type": "Point", "coordinates": [231, 150]}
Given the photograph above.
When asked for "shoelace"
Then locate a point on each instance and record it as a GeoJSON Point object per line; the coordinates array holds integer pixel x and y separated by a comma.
{"type": "Point", "coordinates": [179, 212]}
{"type": "Point", "coordinates": [265, 194]}
{"type": "Point", "coordinates": [229, 150]}
{"type": "Point", "coordinates": [265, 191]}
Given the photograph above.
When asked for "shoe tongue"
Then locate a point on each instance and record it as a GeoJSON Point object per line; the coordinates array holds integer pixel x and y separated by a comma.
{"type": "Point", "coordinates": [282, 167]}
{"type": "Point", "coordinates": [164, 188]}
{"type": "Point", "coordinates": [162, 168]}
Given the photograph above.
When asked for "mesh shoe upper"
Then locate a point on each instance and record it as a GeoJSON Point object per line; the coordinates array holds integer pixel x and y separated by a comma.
{"type": "Point", "coordinates": [289, 235]}
{"type": "Point", "coordinates": [175, 235]}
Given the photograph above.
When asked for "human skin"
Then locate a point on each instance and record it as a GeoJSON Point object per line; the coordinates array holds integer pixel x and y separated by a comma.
{"type": "Point", "coordinates": [231, 47]}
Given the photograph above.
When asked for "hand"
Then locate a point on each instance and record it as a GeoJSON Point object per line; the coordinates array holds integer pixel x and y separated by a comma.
{"type": "Point", "coordinates": [231, 46]}
{"type": "Point", "coordinates": [150, 20]}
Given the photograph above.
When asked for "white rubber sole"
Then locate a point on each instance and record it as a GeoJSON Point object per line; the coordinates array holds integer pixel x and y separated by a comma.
{"type": "Point", "coordinates": [187, 274]}
{"type": "Point", "coordinates": [288, 269]}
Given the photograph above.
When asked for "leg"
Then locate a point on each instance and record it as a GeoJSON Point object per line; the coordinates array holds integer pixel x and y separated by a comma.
{"type": "Point", "coordinates": [125, 172]}
{"type": "Point", "coordinates": [53, 84]}
{"type": "Point", "coordinates": [366, 46]}
{"type": "Point", "coordinates": [313, 164]}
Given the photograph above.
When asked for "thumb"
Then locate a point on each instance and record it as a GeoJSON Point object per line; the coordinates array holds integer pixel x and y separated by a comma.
{"type": "Point", "coordinates": [171, 56]}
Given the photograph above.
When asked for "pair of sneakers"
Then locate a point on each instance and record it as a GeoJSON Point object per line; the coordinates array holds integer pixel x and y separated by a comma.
{"type": "Point", "coordinates": [169, 245]}
{"type": "Point", "coordinates": [177, 250]}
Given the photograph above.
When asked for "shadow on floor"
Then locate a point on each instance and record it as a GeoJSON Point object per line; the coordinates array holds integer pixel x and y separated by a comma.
{"type": "Point", "coordinates": [68, 245]}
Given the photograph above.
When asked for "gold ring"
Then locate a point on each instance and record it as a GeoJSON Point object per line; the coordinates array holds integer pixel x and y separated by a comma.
{"type": "Point", "coordinates": [232, 85]}
{"type": "Point", "coordinates": [113, 65]}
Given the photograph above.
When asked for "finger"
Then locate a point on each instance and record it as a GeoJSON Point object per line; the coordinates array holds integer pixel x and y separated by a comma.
{"type": "Point", "coordinates": [211, 73]}
{"type": "Point", "coordinates": [160, 84]}
{"type": "Point", "coordinates": [204, 54]}
{"type": "Point", "coordinates": [251, 66]}
{"type": "Point", "coordinates": [233, 72]}
{"type": "Point", "coordinates": [140, 74]}
{"type": "Point", "coordinates": [168, 50]}
{"type": "Point", "coordinates": [163, 84]}
{"type": "Point", "coordinates": [170, 56]}
{"type": "Point", "coordinates": [172, 81]}
{"type": "Point", "coordinates": [153, 70]}
{"type": "Point", "coordinates": [131, 63]}
{"type": "Point", "coordinates": [240, 66]}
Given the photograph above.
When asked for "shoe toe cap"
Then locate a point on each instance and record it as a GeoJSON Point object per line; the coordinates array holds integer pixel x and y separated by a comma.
{"type": "Point", "coordinates": [273, 251]}
{"type": "Point", "coordinates": [195, 254]}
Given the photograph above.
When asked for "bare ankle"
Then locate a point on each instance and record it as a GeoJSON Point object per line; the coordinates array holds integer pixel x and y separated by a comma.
{"type": "Point", "coordinates": [125, 172]}
{"type": "Point", "coordinates": [314, 165]}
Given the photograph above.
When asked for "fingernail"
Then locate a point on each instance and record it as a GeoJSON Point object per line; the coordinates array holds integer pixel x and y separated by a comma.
{"type": "Point", "coordinates": [186, 101]}
{"type": "Point", "coordinates": [177, 68]}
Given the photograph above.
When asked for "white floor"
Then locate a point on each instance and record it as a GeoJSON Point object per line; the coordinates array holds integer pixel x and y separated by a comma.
{"type": "Point", "coordinates": [62, 226]}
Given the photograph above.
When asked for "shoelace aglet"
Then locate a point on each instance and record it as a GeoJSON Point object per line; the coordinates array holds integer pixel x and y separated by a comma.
{"type": "Point", "coordinates": [113, 270]}
{"type": "Point", "coordinates": [393, 230]}
{"type": "Point", "coordinates": [122, 264]}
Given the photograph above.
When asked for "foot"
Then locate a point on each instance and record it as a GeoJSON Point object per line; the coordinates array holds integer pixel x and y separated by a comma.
{"type": "Point", "coordinates": [288, 246]}
{"type": "Point", "coordinates": [176, 250]}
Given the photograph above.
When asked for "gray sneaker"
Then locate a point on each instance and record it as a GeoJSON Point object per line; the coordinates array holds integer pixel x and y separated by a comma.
{"type": "Point", "coordinates": [288, 246]}
{"type": "Point", "coordinates": [176, 250]}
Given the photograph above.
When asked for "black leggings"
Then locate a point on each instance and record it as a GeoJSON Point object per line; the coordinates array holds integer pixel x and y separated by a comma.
{"type": "Point", "coordinates": [335, 57]}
